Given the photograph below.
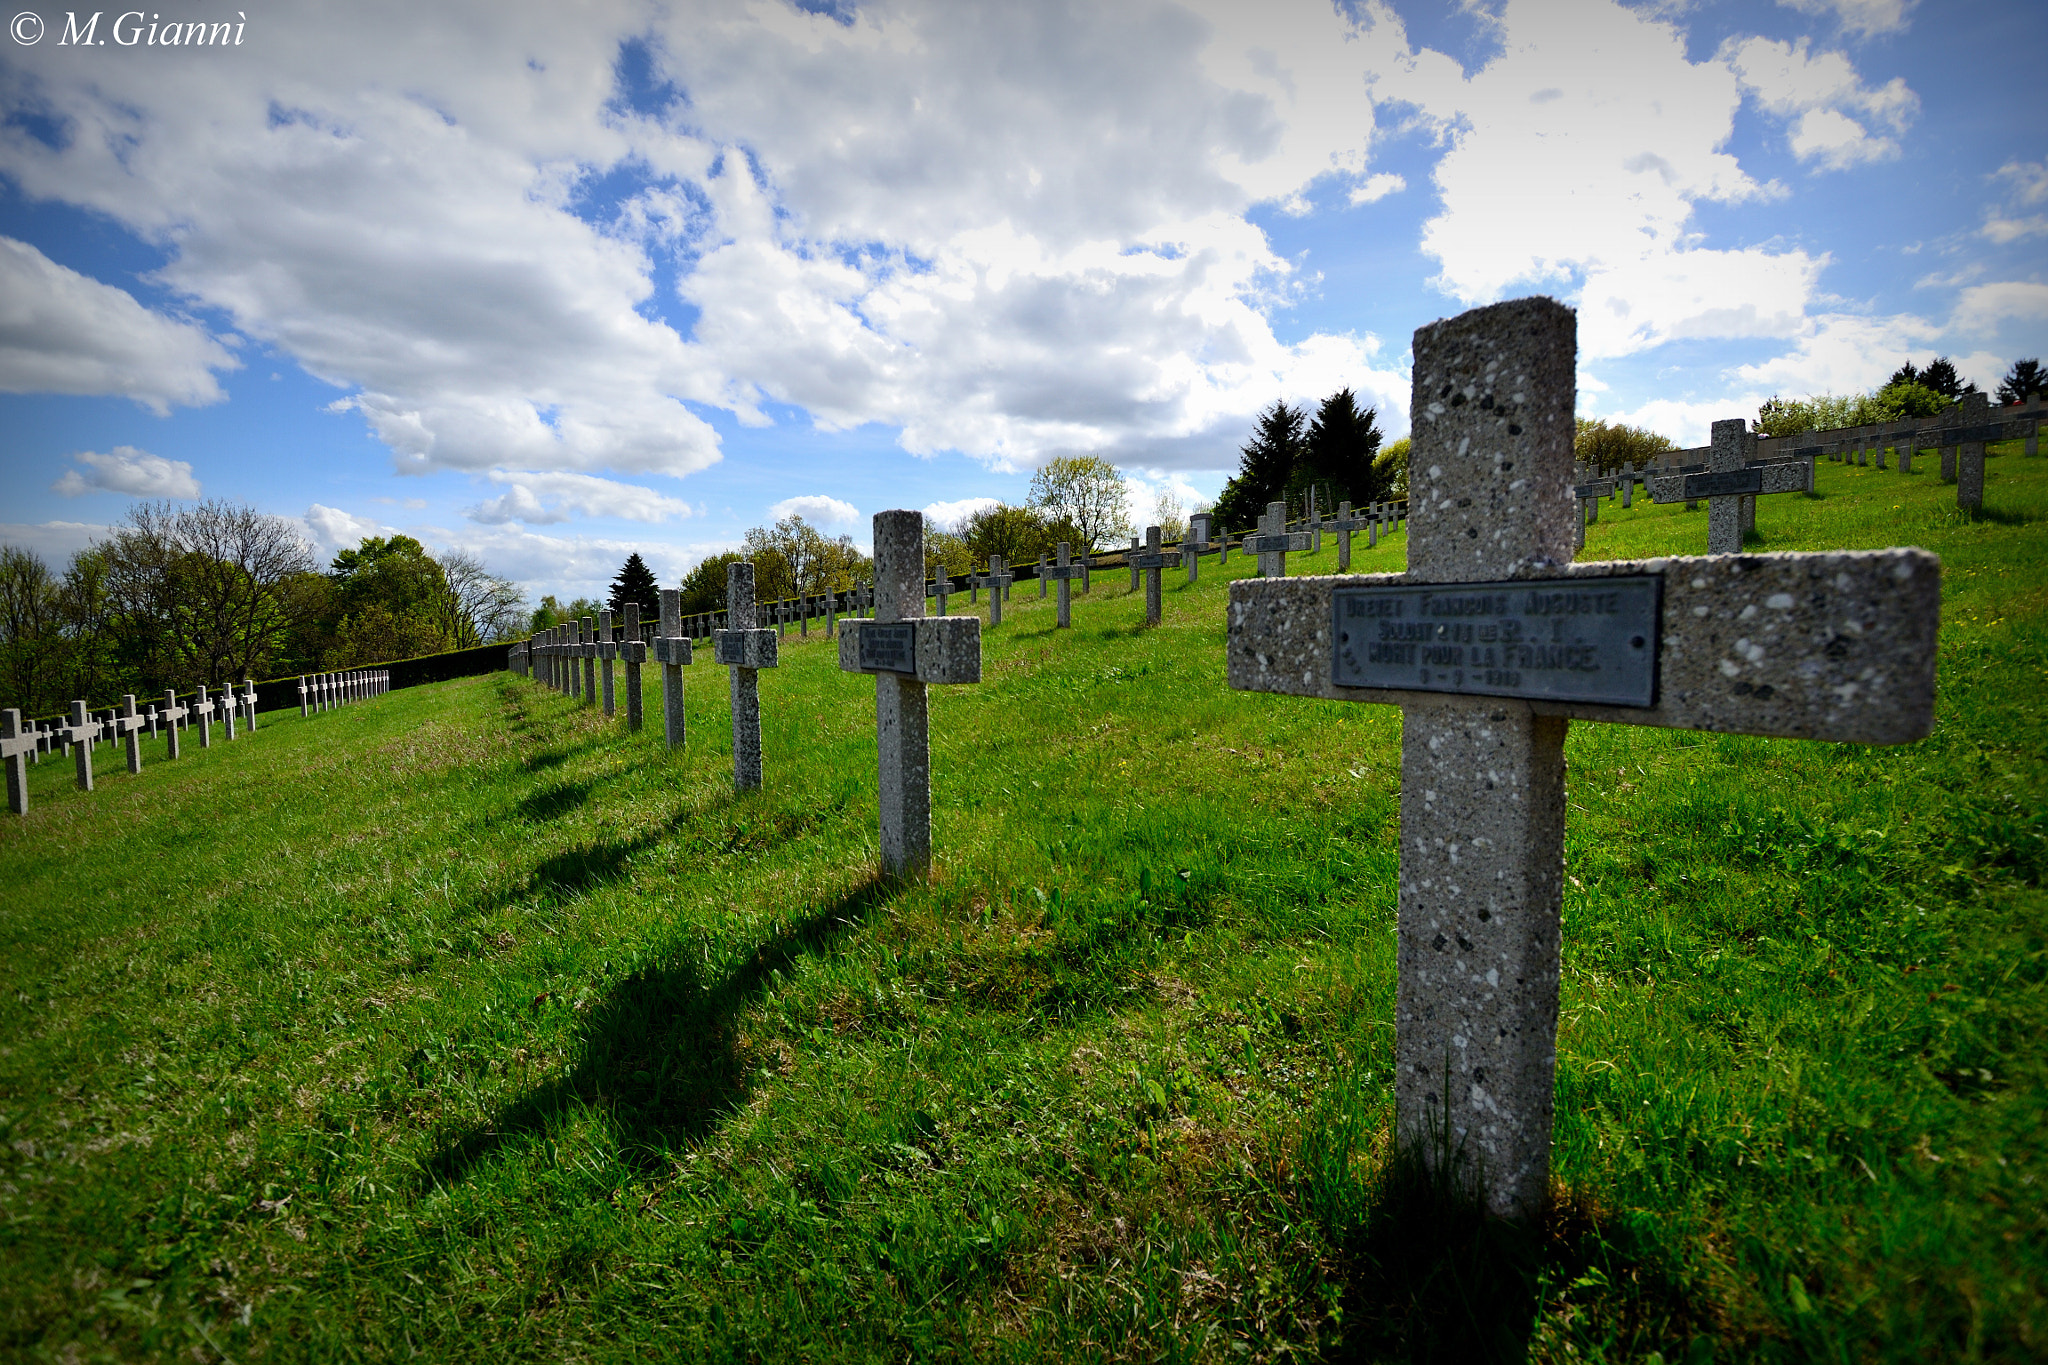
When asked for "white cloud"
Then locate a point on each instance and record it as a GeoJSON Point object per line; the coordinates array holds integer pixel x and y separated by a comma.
{"type": "Point", "coordinates": [1377, 188]}
{"type": "Point", "coordinates": [951, 514]}
{"type": "Point", "coordinates": [329, 529]}
{"type": "Point", "coordinates": [1987, 305]}
{"type": "Point", "coordinates": [539, 497]}
{"type": "Point", "coordinates": [1861, 17]}
{"type": "Point", "coordinates": [63, 332]}
{"type": "Point", "coordinates": [55, 541]}
{"type": "Point", "coordinates": [817, 509]}
{"type": "Point", "coordinates": [125, 469]}
{"type": "Point", "coordinates": [1818, 93]}
{"type": "Point", "coordinates": [2028, 181]}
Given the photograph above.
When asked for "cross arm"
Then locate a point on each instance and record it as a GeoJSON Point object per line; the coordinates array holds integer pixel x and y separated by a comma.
{"type": "Point", "coordinates": [941, 649]}
{"type": "Point", "coordinates": [1837, 646]}
{"type": "Point", "coordinates": [1752, 479]}
{"type": "Point", "coordinates": [671, 649]}
{"type": "Point", "coordinates": [745, 648]}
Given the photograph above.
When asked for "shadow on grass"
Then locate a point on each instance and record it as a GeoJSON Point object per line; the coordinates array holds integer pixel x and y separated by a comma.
{"type": "Point", "coordinates": [657, 1052]}
{"type": "Point", "coordinates": [554, 802]}
{"type": "Point", "coordinates": [1429, 1275]}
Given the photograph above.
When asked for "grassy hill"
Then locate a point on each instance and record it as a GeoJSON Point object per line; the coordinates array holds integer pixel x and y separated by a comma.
{"type": "Point", "coordinates": [464, 1023]}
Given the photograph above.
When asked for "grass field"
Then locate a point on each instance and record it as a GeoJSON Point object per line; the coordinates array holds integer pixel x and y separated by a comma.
{"type": "Point", "coordinates": [463, 1024]}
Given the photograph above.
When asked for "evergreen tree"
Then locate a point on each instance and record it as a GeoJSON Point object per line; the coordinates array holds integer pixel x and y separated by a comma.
{"type": "Point", "coordinates": [1940, 376]}
{"type": "Point", "coordinates": [1262, 474]}
{"type": "Point", "coordinates": [1336, 457]}
{"type": "Point", "coordinates": [2022, 382]}
{"type": "Point", "coordinates": [635, 583]}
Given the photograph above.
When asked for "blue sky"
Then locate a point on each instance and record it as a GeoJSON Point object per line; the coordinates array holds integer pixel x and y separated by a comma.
{"type": "Point", "coordinates": [557, 285]}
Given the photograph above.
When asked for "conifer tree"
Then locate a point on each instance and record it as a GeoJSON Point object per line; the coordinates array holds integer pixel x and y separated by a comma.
{"type": "Point", "coordinates": [635, 583]}
{"type": "Point", "coordinates": [2022, 382]}
{"type": "Point", "coordinates": [1267, 462]}
{"type": "Point", "coordinates": [1336, 456]}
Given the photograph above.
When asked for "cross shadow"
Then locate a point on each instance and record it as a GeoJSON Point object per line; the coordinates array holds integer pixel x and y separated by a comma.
{"type": "Point", "coordinates": [552, 803]}
{"type": "Point", "coordinates": [657, 1052]}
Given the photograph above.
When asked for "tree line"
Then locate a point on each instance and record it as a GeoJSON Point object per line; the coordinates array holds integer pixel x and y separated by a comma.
{"type": "Point", "coordinates": [217, 593]}
{"type": "Point", "coordinates": [1911, 392]}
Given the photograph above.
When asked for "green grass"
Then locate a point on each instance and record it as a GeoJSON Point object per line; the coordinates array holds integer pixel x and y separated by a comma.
{"type": "Point", "coordinates": [463, 1023]}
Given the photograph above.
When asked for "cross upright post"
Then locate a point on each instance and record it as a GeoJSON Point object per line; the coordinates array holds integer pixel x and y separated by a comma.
{"type": "Point", "coordinates": [1150, 564]}
{"type": "Point", "coordinates": [672, 651]}
{"type": "Point", "coordinates": [249, 703]}
{"type": "Point", "coordinates": [633, 650]}
{"type": "Point", "coordinates": [1976, 412]}
{"type": "Point", "coordinates": [172, 715]}
{"type": "Point", "coordinates": [607, 650]}
{"type": "Point", "coordinates": [1491, 642]}
{"type": "Point", "coordinates": [1344, 525]}
{"type": "Point", "coordinates": [1315, 522]}
{"type": "Point", "coordinates": [129, 726]}
{"type": "Point", "coordinates": [997, 579]}
{"type": "Point", "coordinates": [906, 650]}
{"type": "Point", "coordinates": [1131, 562]}
{"type": "Point", "coordinates": [586, 646]}
{"type": "Point", "coordinates": [1196, 544]}
{"type": "Point", "coordinates": [744, 650]}
{"type": "Point", "coordinates": [202, 711]}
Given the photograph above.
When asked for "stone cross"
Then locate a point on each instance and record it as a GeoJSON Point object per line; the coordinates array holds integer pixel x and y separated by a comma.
{"type": "Point", "coordinates": [202, 712]}
{"type": "Point", "coordinates": [249, 701]}
{"type": "Point", "coordinates": [633, 650]}
{"type": "Point", "coordinates": [586, 645]}
{"type": "Point", "coordinates": [1131, 561]}
{"type": "Point", "coordinates": [607, 650]}
{"type": "Point", "coordinates": [997, 578]}
{"type": "Point", "coordinates": [1195, 544]}
{"type": "Point", "coordinates": [1728, 479]}
{"type": "Point", "coordinates": [17, 746]}
{"type": "Point", "coordinates": [128, 725]}
{"type": "Point", "coordinates": [1315, 523]}
{"type": "Point", "coordinates": [672, 651]}
{"type": "Point", "coordinates": [1344, 525]}
{"type": "Point", "coordinates": [906, 651]}
{"type": "Point", "coordinates": [1062, 571]}
{"type": "Point", "coordinates": [1150, 563]}
{"type": "Point", "coordinates": [744, 650]}
{"type": "Point", "coordinates": [1275, 541]}
{"type": "Point", "coordinates": [173, 716]}
{"type": "Point", "coordinates": [1491, 643]}
{"type": "Point", "coordinates": [80, 735]}
{"type": "Point", "coordinates": [942, 588]}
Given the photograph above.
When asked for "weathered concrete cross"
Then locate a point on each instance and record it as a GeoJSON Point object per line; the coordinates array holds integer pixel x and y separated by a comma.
{"type": "Point", "coordinates": [607, 650]}
{"type": "Point", "coordinates": [1150, 564]}
{"type": "Point", "coordinates": [907, 651]}
{"type": "Point", "coordinates": [672, 651]}
{"type": "Point", "coordinates": [633, 651]}
{"type": "Point", "coordinates": [1195, 544]}
{"type": "Point", "coordinates": [586, 646]}
{"type": "Point", "coordinates": [1062, 571]}
{"type": "Point", "coordinates": [1274, 541]}
{"type": "Point", "coordinates": [173, 717]}
{"type": "Point", "coordinates": [17, 746]}
{"type": "Point", "coordinates": [80, 735]}
{"type": "Point", "coordinates": [1344, 526]}
{"type": "Point", "coordinates": [997, 580]}
{"type": "Point", "coordinates": [1728, 479]}
{"type": "Point", "coordinates": [1490, 643]}
{"type": "Point", "coordinates": [744, 650]}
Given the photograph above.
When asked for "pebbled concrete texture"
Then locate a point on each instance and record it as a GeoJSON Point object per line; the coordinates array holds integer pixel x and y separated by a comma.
{"type": "Point", "coordinates": [1838, 646]}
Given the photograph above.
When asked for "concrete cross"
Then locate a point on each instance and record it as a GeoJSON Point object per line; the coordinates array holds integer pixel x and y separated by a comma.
{"type": "Point", "coordinates": [1726, 481]}
{"type": "Point", "coordinates": [1062, 571]}
{"type": "Point", "coordinates": [672, 651]}
{"type": "Point", "coordinates": [1131, 562]}
{"type": "Point", "coordinates": [1315, 523]}
{"type": "Point", "coordinates": [1195, 544]}
{"type": "Point", "coordinates": [997, 579]}
{"type": "Point", "coordinates": [1491, 643]}
{"type": "Point", "coordinates": [249, 702]}
{"type": "Point", "coordinates": [1344, 526]}
{"type": "Point", "coordinates": [202, 714]}
{"type": "Point", "coordinates": [1274, 541]}
{"type": "Point", "coordinates": [80, 735]}
{"type": "Point", "coordinates": [744, 650]}
{"type": "Point", "coordinates": [586, 647]}
{"type": "Point", "coordinates": [633, 651]}
{"type": "Point", "coordinates": [906, 651]}
{"type": "Point", "coordinates": [942, 588]}
{"type": "Point", "coordinates": [1150, 563]}
{"type": "Point", "coordinates": [173, 717]}
{"type": "Point", "coordinates": [128, 726]}
{"type": "Point", "coordinates": [17, 746]}
{"type": "Point", "coordinates": [607, 650]}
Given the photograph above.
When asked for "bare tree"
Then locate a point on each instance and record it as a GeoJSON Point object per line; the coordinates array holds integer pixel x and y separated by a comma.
{"type": "Point", "coordinates": [482, 606]}
{"type": "Point", "coordinates": [201, 589]}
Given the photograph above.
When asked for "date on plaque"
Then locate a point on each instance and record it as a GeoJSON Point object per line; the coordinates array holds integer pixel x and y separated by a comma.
{"type": "Point", "coordinates": [888, 646]}
{"type": "Point", "coordinates": [1585, 639]}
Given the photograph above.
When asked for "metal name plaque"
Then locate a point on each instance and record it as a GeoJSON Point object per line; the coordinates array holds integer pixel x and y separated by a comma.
{"type": "Point", "coordinates": [728, 649]}
{"type": "Point", "coordinates": [890, 647]}
{"type": "Point", "coordinates": [1590, 640]}
{"type": "Point", "coordinates": [1723, 483]}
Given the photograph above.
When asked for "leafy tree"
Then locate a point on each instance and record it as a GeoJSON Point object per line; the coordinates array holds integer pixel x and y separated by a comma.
{"type": "Point", "coordinates": [1336, 456]}
{"type": "Point", "coordinates": [704, 585]}
{"type": "Point", "coordinates": [1604, 446]}
{"type": "Point", "coordinates": [550, 612]}
{"type": "Point", "coordinates": [1018, 534]}
{"type": "Point", "coordinates": [1898, 400]}
{"type": "Point", "coordinates": [1391, 465]}
{"type": "Point", "coordinates": [944, 549]}
{"type": "Point", "coordinates": [2022, 382]}
{"type": "Point", "coordinates": [1263, 469]}
{"type": "Point", "coordinates": [31, 641]}
{"type": "Point", "coordinates": [480, 606]}
{"type": "Point", "coordinates": [1169, 516]}
{"type": "Point", "coordinates": [1084, 493]}
{"type": "Point", "coordinates": [635, 583]}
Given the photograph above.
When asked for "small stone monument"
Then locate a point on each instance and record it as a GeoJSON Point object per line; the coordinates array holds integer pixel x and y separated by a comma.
{"type": "Point", "coordinates": [672, 651]}
{"type": "Point", "coordinates": [744, 650]}
{"type": "Point", "coordinates": [906, 651]}
{"type": "Point", "coordinates": [1491, 643]}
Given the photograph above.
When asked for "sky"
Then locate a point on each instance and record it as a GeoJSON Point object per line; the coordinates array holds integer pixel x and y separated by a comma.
{"type": "Point", "coordinates": [557, 283]}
